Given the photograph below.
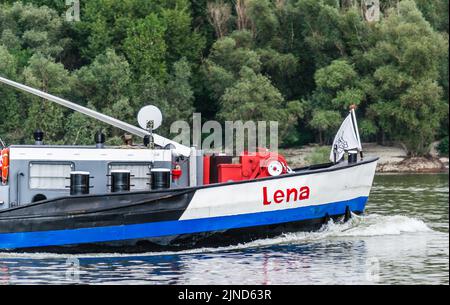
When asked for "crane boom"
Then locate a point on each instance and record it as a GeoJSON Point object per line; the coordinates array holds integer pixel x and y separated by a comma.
{"type": "Point", "coordinates": [159, 140]}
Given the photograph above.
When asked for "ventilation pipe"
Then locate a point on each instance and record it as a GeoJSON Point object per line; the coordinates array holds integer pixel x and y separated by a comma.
{"type": "Point", "coordinates": [38, 136]}
{"type": "Point", "coordinates": [99, 139]}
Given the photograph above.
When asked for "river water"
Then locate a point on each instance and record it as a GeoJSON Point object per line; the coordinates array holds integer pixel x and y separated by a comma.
{"type": "Point", "coordinates": [402, 239]}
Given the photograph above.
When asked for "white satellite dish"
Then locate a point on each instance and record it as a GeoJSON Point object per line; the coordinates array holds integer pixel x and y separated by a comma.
{"type": "Point", "coordinates": [147, 114]}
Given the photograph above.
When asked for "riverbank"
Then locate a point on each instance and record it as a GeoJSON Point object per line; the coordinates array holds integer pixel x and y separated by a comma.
{"type": "Point", "coordinates": [393, 159]}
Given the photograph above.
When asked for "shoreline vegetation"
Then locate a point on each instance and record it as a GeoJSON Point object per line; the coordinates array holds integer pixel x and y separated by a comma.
{"type": "Point", "coordinates": [301, 63]}
{"type": "Point", "coordinates": [393, 159]}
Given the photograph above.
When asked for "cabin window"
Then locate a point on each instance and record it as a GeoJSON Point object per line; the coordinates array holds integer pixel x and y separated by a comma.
{"type": "Point", "coordinates": [140, 174]}
{"type": "Point", "coordinates": [49, 176]}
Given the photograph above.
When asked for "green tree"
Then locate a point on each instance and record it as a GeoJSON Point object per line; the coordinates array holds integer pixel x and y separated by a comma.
{"type": "Point", "coordinates": [408, 102]}
{"type": "Point", "coordinates": [145, 47]}
{"type": "Point", "coordinates": [435, 12]}
{"type": "Point", "coordinates": [254, 98]}
{"type": "Point", "coordinates": [126, 54]}
{"type": "Point", "coordinates": [104, 81]}
{"type": "Point", "coordinates": [337, 86]}
{"type": "Point", "coordinates": [283, 69]}
{"type": "Point", "coordinates": [46, 75]}
{"type": "Point", "coordinates": [104, 24]}
{"type": "Point", "coordinates": [105, 85]}
{"type": "Point", "coordinates": [174, 97]}
{"type": "Point", "coordinates": [12, 114]}
{"type": "Point", "coordinates": [181, 40]}
{"type": "Point", "coordinates": [223, 67]}
{"type": "Point", "coordinates": [264, 20]}
{"type": "Point", "coordinates": [26, 29]}
{"type": "Point", "coordinates": [325, 122]}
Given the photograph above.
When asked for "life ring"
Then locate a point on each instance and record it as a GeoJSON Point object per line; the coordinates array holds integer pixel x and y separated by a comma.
{"type": "Point", "coordinates": [5, 165]}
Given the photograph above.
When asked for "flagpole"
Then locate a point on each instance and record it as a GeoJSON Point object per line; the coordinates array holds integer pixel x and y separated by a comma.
{"type": "Point", "coordinates": [334, 153]}
{"type": "Point", "coordinates": [352, 112]}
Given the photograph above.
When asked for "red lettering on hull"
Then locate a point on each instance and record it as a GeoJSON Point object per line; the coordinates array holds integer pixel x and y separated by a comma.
{"type": "Point", "coordinates": [288, 195]}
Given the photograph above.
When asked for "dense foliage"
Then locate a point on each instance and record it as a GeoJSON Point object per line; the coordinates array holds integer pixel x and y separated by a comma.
{"type": "Point", "coordinates": [300, 62]}
{"type": "Point", "coordinates": [443, 147]}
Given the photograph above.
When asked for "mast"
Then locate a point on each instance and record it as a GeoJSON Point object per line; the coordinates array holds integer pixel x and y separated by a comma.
{"type": "Point", "coordinates": [159, 140]}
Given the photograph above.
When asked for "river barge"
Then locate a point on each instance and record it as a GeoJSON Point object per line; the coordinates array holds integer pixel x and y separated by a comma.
{"type": "Point", "coordinates": [162, 195]}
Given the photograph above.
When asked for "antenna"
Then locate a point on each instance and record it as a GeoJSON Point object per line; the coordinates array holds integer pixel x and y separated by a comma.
{"type": "Point", "coordinates": [149, 114]}
{"type": "Point", "coordinates": [161, 141]}
{"type": "Point", "coordinates": [149, 118]}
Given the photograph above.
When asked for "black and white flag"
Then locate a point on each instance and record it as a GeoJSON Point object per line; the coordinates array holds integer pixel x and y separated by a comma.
{"type": "Point", "coordinates": [347, 138]}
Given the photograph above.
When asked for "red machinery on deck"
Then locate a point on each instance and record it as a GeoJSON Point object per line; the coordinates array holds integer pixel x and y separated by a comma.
{"type": "Point", "coordinates": [252, 165]}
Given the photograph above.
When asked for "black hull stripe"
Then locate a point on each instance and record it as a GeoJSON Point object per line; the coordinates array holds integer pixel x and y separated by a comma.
{"type": "Point", "coordinates": [165, 209]}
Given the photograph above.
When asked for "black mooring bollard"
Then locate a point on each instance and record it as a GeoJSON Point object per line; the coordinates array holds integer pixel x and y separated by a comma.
{"type": "Point", "coordinates": [160, 178]}
{"type": "Point", "coordinates": [120, 181]}
{"type": "Point", "coordinates": [79, 183]}
{"type": "Point", "coordinates": [352, 156]}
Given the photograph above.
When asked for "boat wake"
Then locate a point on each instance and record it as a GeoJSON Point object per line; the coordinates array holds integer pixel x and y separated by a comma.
{"type": "Point", "coordinates": [376, 225]}
{"type": "Point", "coordinates": [356, 227]}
